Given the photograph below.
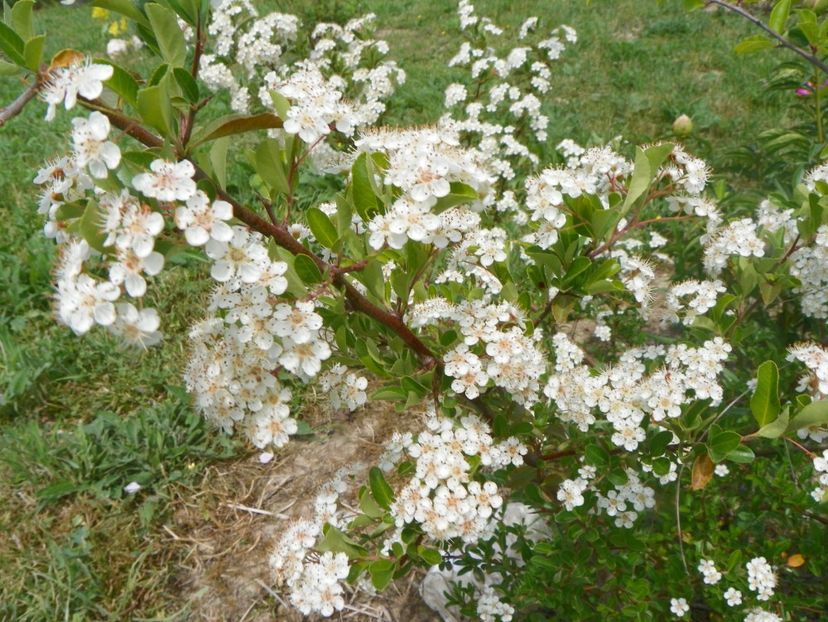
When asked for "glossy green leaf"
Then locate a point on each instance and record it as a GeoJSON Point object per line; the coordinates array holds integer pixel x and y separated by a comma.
{"type": "Point", "coordinates": [127, 8]}
{"type": "Point", "coordinates": [12, 45]}
{"type": "Point", "coordinates": [167, 33]}
{"type": "Point", "coordinates": [721, 443]}
{"type": "Point", "coordinates": [382, 492]}
{"type": "Point", "coordinates": [307, 270]}
{"type": "Point", "coordinates": [89, 226]}
{"type": "Point", "coordinates": [122, 83]}
{"type": "Point", "coordinates": [764, 404]}
{"type": "Point", "coordinates": [21, 18]}
{"type": "Point", "coordinates": [270, 167]}
{"type": "Point", "coordinates": [321, 227]}
{"type": "Point", "coordinates": [366, 202]}
{"type": "Point", "coordinates": [775, 428]}
{"type": "Point", "coordinates": [756, 43]}
{"type": "Point", "coordinates": [813, 414]}
{"type": "Point", "coordinates": [153, 106]}
{"type": "Point", "coordinates": [33, 52]}
{"type": "Point", "coordinates": [382, 572]}
{"type": "Point", "coordinates": [187, 84]}
{"type": "Point", "coordinates": [779, 15]}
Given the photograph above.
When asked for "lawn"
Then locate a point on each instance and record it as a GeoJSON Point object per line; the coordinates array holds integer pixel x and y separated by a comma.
{"type": "Point", "coordinates": [82, 417]}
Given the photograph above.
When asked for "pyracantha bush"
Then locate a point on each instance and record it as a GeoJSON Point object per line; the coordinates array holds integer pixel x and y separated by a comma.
{"type": "Point", "coordinates": [618, 383]}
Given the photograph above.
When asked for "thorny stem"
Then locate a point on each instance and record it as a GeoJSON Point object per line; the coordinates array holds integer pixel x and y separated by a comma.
{"type": "Point", "coordinates": [816, 62]}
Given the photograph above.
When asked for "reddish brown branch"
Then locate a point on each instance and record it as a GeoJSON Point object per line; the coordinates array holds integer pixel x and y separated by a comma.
{"type": "Point", "coordinates": [283, 238]}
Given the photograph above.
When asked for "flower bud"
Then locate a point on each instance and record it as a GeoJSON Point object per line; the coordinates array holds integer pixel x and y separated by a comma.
{"type": "Point", "coordinates": [683, 126]}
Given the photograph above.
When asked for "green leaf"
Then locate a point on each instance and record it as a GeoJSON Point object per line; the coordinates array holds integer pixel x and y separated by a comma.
{"type": "Point", "coordinates": [764, 404]}
{"type": "Point", "coordinates": [218, 160]}
{"type": "Point", "coordinates": [127, 8]}
{"type": "Point", "coordinates": [337, 542]}
{"type": "Point", "coordinates": [756, 43]}
{"type": "Point", "coordinates": [814, 414]}
{"type": "Point", "coordinates": [236, 124]}
{"type": "Point", "coordinates": [307, 270]}
{"type": "Point", "coordinates": [21, 18]}
{"type": "Point", "coordinates": [779, 16]}
{"type": "Point", "coordinates": [366, 202]}
{"type": "Point", "coordinates": [170, 39]}
{"type": "Point", "coordinates": [775, 428]}
{"type": "Point", "coordinates": [722, 443]}
{"type": "Point", "coordinates": [381, 571]}
{"type": "Point", "coordinates": [8, 69]}
{"type": "Point", "coordinates": [430, 556]}
{"type": "Point", "coordinates": [33, 52]}
{"type": "Point", "coordinates": [382, 492]}
{"type": "Point", "coordinates": [12, 45]}
{"type": "Point", "coordinates": [647, 162]}
{"type": "Point", "coordinates": [459, 194]}
{"type": "Point", "coordinates": [321, 227]}
{"type": "Point", "coordinates": [122, 83]}
{"type": "Point", "coordinates": [187, 84]}
{"type": "Point", "coordinates": [270, 167]}
{"type": "Point", "coordinates": [596, 455]}
{"type": "Point", "coordinates": [89, 226]}
{"type": "Point", "coordinates": [741, 455]}
{"type": "Point", "coordinates": [153, 106]}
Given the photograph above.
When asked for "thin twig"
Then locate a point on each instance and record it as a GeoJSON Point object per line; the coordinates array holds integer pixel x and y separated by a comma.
{"type": "Point", "coordinates": [816, 62]}
{"type": "Point", "coordinates": [16, 107]}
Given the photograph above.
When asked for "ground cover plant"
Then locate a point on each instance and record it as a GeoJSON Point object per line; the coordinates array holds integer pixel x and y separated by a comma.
{"type": "Point", "coordinates": [608, 366]}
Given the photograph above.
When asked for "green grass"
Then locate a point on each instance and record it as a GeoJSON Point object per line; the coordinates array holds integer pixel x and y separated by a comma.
{"type": "Point", "coordinates": [82, 417]}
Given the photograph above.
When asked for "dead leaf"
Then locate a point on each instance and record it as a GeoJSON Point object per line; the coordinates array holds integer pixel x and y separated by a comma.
{"type": "Point", "coordinates": [796, 560]}
{"type": "Point", "coordinates": [702, 472]}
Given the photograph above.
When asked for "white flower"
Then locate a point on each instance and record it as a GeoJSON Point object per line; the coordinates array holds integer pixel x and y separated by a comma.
{"type": "Point", "coordinates": [265, 457]}
{"type": "Point", "coordinates": [202, 221]}
{"type": "Point", "coordinates": [168, 181]}
{"type": "Point", "coordinates": [84, 302]}
{"type": "Point", "coordinates": [136, 327]}
{"type": "Point", "coordinates": [128, 269]}
{"type": "Point", "coordinates": [82, 78]}
{"type": "Point", "coordinates": [679, 607]}
{"type": "Point", "coordinates": [91, 147]}
{"type": "Point", "coordinates": [708, 570]}
{"type": "Point", "coordinates": [733, 597]}
{"type": "Point", "coordinates": [242, 257]}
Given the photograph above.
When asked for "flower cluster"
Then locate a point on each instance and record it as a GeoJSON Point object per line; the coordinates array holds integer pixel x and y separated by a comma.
{"type": "Point", "coordinates": [314, 580]}
{"type": "Point", "coordinates": [238, 351]}
{"type": "Point", "coordinates": [814, 382]}
{"type": "Point", "coordinates": [494, 348]}
{"type": "Point", "coordinates": [441, 496]}
{"type": "Point", "coordinates": [505, 118]}
{"type": "Point", "coordinates": [625, 393]}
{"type": "Point", "coordinates": [710, 574]}
{"type": "Point", "coordinates": [421, 168]}
{"type": "Point", "coordinates": [491, 609]}
{"type": "Point", "coordinates": [693, 298]}
{"type": "Point", "coordinates": [344, 389]}
{"type": "Point", "coordinates": [820, 493]}
{"type": "Point", "coordinates": [761, 577]}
